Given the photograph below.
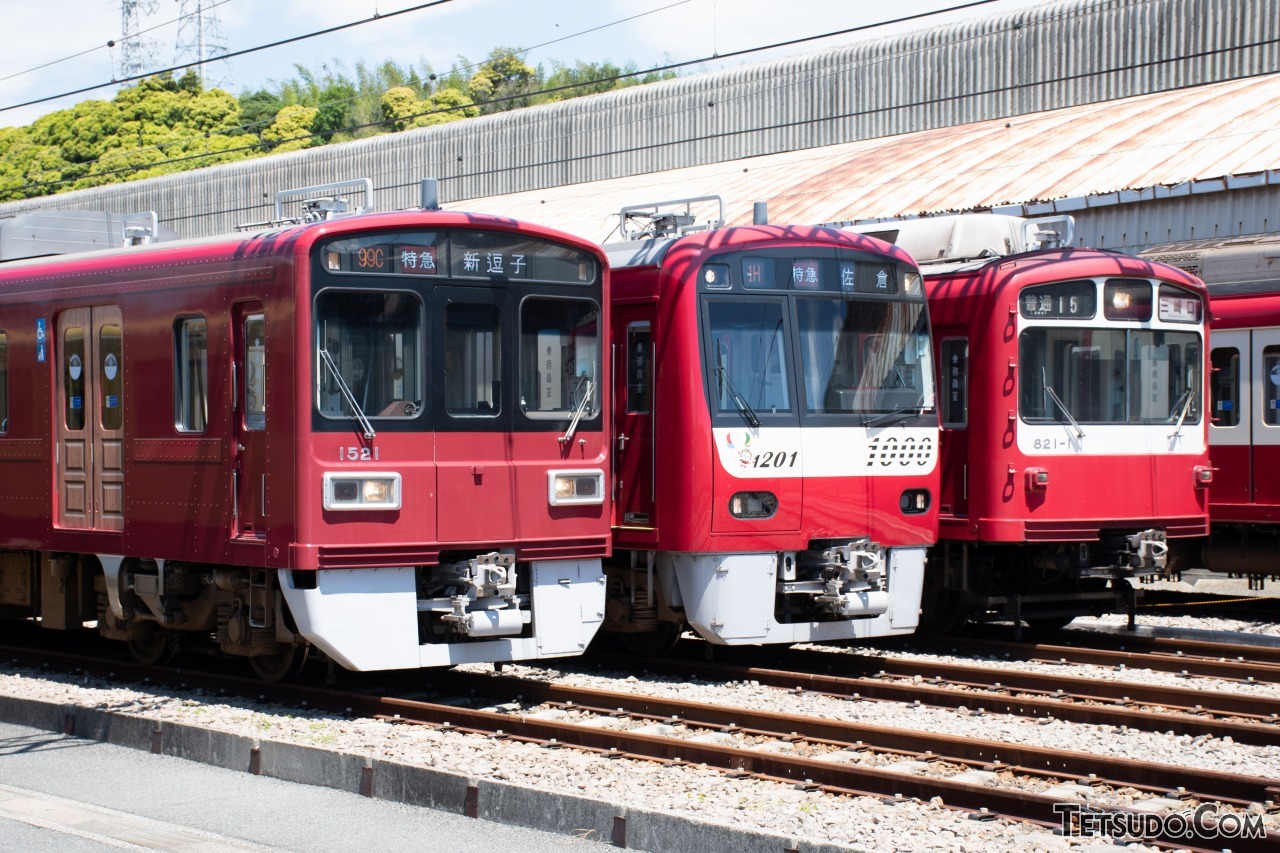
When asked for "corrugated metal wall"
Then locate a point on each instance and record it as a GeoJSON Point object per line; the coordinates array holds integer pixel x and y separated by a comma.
{"type": "Point", "coordinates": [1058, 55]}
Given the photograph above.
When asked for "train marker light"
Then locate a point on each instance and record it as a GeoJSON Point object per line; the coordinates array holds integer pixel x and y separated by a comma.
{"type": "Point", "coordinates": [911, 283]}
{"type": "Point", "coordinates": [914, 501]}
{"type": "Point", "coordinates": [1204, 476]}
{"type": "Point", "coordinates": [753, 504]}
{"type": "Point", "coordinates": [361, 491]}
{"type": "Point", "coordinates": [565, 488]}
{"type": "Point", "coordinates": [1037, 480]}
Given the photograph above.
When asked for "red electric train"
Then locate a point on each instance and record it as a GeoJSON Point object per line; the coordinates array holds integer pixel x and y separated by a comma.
{"type": "Point", "coordinates": [379, 435]}
{"type": "Point", "coordinates": [1073, 443]}
{"type": "Point", "coordinates": [1243, 277]}
{"type": "Point", "coordinates": [776, 458]}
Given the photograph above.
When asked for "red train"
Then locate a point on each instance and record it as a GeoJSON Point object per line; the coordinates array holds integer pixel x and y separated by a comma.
{"type": "Point", "coordinates": [1243, 278]}
{"type": "Point", "coordinates": [776, 454]}
{"type": "Point", "coordinates": [1073, 442]}
{"type": "Point", "coordinates": [379, 435]}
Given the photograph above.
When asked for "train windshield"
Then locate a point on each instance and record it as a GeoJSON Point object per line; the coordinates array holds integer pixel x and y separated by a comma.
{"type": "Point", "coordinates": [864, 357]}
{"type": "Point", "coordinates": [1109, 376]}
{"type": "Point", "coordinates": [368, 361]}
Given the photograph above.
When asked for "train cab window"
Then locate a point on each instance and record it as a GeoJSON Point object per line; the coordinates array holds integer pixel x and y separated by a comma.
{"type": "Point", "coordinates": [863, 356]}
{"type": "Point", "coordinates": [748, 358]}
{"type": "Point", "coordinates": [4, 383]}
{"type": "Point", "coordinates": [954, 353]}
{"type": "Point", "coordinates": [559, 358]}
{"type": "Point", "coordinates": [255, 379]}
{"type": "Point", "coordinates": [110, 376]}
{"type": "Point", "coordinates": [473, 360]}
{"type": "Point", "coordinates": [1271, 386]}
{"type": "Point", "coordinates": [73, 376]}
{"type": "Point", "coordinates": [639, 367]}
{"type": "Point", "coordinates": [369, 354]}
{"type": "Point", "coordinates": [191, 374]}
{"type": "Point", "coordinates": [1224, 386]}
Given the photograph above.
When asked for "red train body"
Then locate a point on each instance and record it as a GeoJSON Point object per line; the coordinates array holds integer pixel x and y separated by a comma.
{"type": "Point", "coordinates": [380, 435]}
{"type": "Point", "coordinates": [1243, 278]}
{"type": "Point", "coordinates": [777, 447]}
{"type": "Point", "coordinates": [1073, 444]}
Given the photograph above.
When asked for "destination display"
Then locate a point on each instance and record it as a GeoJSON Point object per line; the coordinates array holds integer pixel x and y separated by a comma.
{"type": "Point", "coordinates": [485, 255]}
{"type": "Point", "coordinates": [1076, 300]}
{"type": "Point", "coordinates": [1178, 306]}
{"type": "Point", "coordinates": [763, 273]}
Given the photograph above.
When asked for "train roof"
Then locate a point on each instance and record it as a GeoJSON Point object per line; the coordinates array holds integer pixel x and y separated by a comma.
{"type": "Point", "coordinates": [653, 251]}
{"type": "Point", "coordinates": [1228, 266]}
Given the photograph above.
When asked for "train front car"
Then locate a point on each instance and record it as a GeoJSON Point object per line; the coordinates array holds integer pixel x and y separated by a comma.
{"type": "Point", "coordinates": [1244, 401]}
{"type": "Point", "coordinates": [777, 438]}
{"type": "Point", "coordinates": [383, 436]}
{"type": "Point", "coordinates": [453, 493]}
{"type": "Point", "coordinates": [1073, 437]}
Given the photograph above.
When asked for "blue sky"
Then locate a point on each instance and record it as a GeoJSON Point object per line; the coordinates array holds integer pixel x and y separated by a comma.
{"type": "Point", "coordinates": [647, 32]}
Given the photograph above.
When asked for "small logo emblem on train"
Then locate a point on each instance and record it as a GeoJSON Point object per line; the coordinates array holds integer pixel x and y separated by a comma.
{"type": "Point", "coordinates": [744, 455]}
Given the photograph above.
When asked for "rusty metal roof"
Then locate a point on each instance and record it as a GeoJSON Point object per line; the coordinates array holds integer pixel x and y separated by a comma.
{"type": "Point", "coordinates": [1166, 139]}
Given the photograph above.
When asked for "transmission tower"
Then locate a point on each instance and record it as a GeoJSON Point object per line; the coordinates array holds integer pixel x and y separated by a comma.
{"type": "Point", "coordinates": [137, 54]}
{"type": "Point", "coordinates": [201, 40]}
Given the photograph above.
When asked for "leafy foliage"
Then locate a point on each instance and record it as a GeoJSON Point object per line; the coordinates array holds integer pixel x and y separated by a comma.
{"type": "Point", "coordinates": [168, 124]}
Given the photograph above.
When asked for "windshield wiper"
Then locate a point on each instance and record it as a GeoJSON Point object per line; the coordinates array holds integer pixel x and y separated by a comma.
{"type": "Point", "coordinates": [581, 409]}
{"type": "Point", "coordinates": [898, 415]}
{"type": "Point", "coordinates": [742, 406]}
{"type": "Point", "coordinates": [1185, 401]}
{"type": "Point", "coordinates": [1061, 405]}
{"type": "Point", "coordinates": [346, 394]}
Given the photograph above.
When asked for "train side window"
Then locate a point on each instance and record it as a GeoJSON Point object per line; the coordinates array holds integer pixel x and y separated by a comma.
{"type": "Point", "coordinates": [1271, 388]}
{"type": "Point", "coordinates": [255, 369]}
{"type": "Point", "coordinates": [473, 361]}
{"type": "Point", "coordinates": [559, 358]}
{"type": "Point", "coordinates": [4, 383]}
{"type": "Point", "coordinates": [191, 374]}
{"type": "Point", "coordinates": [639, 361]}
{"type": "Point", "coordinates": [111, 376]}
{"type": "Point", "coordinates": [1224, 386]}
{"type": "Point", "coordinates": [73, 376]}
{"type": "Point", "coordinates": [955, 382]}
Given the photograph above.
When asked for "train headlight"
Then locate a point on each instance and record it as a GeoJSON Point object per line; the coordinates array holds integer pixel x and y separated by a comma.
{"type": "Point", "coordinates": [753, 504]}
{"type": "Point", "coordinates": [914, 501]}
{"type": "Point", "coordinates": [566, 488]}
{"type": "Point", "coordinates": [361, 491]}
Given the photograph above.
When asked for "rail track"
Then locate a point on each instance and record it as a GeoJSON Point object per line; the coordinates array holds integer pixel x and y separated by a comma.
{"type": "Point", "coordinates": [984, 778]}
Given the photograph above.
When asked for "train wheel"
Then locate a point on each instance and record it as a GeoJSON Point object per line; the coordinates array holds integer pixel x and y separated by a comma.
{"type": "Point", "coordinates": [653, 644]}
{"type": "Point", "coordinates": [149, 644]}
{"type": "Point", "coordinates": [280, 666]}
{"type": "Point", "coordinates": [1047, 624]}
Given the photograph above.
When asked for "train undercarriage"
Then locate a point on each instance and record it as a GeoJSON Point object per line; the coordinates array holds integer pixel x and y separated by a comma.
{"type": "Point", "coordinates": [1041, 585]}
{"type": "Point", "coordinates": [469, 608]}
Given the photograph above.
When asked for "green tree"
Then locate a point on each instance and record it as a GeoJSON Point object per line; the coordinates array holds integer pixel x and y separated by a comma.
{"type": "Point", "coordinates": [504, 78]}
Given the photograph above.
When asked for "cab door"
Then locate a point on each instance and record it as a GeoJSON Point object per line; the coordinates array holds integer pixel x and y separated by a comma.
{"type": "Point", "coordinates": [634, 417]}
{"type": "Point", "coordinates": [1266, 416]}
{"type": "Point", "coordinates": [90, 422]}
{"type": "Point", "coordinates": [249, 410]}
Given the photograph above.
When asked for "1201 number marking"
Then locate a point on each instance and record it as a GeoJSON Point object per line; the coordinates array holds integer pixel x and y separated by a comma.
{"type": "Point", "coordinates": [775, 459]}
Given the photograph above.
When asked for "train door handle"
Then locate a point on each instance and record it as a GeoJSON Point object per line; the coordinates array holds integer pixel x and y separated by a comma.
{"type": "Point", "coordinates": [622, 441]}
{"type": "Point", "coordinates": [240, 447]}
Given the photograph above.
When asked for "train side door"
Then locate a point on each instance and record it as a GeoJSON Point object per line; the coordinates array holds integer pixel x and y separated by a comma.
{"type": "Point", "coordinates": [90, 390]}
{"type": "Point", "coordinates": [249, 417]}
{"type": "Point", "coordinates": [634, 408]}
{"type": "Point", "coordinates": [1230, 417]}
{"type": "Point", "coordinates": [1266, 419]}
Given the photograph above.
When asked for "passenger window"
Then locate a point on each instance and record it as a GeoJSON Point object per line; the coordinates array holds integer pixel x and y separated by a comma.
{"type": "Point", "coordinates": [110, 376]}
{"type": "Point", "coordinates": [73, 376]}
{"type": "Point", "coordinates": [191, 376]}
{"type": "Point", "coordinates": [1271, 390]}
{"type": "Point", "coordinates": [559, 358]}
{"type": "Point", "coordinates": [1224, 386]}
{"type": "Point", "coordinates": [255, 368]}
{"type": "Point", "coordinates": [639, 360]}
{"type": "Point", "coordinates": [473, 360]}
{"type": "Point", "coordinates": [955, 382]}
{"type": "Point", "coordinates": [4, 383]}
